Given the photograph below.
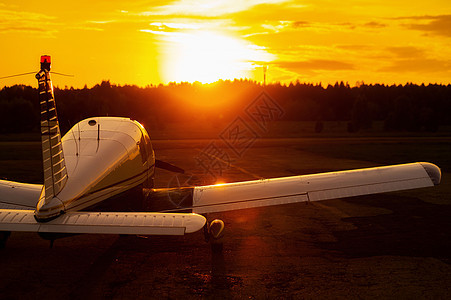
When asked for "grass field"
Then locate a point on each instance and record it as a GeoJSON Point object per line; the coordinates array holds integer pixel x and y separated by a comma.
{"type": "Point", "coordinates": [386, 150]}
{"type": "Point", "coordinates": [21, 160]}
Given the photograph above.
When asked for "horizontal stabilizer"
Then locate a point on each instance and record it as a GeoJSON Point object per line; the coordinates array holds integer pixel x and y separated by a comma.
{"type": "Point", "coordinates": [16, 195]}
{"type": "Point", "coordinates": [104, 222]}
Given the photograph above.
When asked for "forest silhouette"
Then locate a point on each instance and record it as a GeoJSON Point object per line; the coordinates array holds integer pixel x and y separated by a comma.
{"type": "Point", "coordinates": [408, 107]}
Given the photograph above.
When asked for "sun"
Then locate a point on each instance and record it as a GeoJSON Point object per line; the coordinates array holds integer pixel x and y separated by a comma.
{"type": "Point", "coordinates": [207, 56]}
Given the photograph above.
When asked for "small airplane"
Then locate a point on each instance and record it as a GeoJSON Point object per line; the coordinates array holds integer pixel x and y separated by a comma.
{"type": "Point", "coordinates": [102, 157]}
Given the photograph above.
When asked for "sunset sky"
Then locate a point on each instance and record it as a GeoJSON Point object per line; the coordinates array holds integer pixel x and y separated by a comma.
{"type": "Point", "coordinates": [152, 42]}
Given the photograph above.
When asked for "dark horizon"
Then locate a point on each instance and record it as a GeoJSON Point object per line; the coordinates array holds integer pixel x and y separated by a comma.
{"type": "Point", "coordinates": [410, 107]}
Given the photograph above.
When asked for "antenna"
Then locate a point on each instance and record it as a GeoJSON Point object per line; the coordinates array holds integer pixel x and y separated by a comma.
{"type": "Point", "coordinates": [75, 139]}
{"type": "Point", "coordinates": [98, 136]}
{"type": "Point", "coordinates": [17, 75]}
{"type": "Point", "coordinates": [45, 65]}
{"type": "Point", "coordinates": [265, 68]}
{"type": "Point", "coordinates": [28, 73]}
{"type": "Point", "coordinates": [62, 74]}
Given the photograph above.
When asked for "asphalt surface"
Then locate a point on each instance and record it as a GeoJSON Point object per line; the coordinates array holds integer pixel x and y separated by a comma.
{"type": "Point", "coordinates": [395, 245]}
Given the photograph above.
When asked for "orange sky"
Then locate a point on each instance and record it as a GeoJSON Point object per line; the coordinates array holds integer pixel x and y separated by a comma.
{"type": "Point", "coordinates": [152, 42]}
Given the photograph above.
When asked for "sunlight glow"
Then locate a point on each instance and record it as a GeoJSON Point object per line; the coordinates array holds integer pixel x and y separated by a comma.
{"type": "Point", "coordinates": [172, 25]}
{"type": "Point", "coordinates": [207, 56]}
{"type": "Point", "coordinates": [208, 7]}
{"type": "Point", "coordinates": [319, 41]}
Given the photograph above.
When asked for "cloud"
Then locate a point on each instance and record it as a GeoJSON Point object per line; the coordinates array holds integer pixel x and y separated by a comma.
{"type": "Point", "coordinates": [355, 47]}
{"type": "Point", "coordinates": [182, 25]}
{"type": "Point", "coordinates": [93, 25]}
{"type": "Point", "coordinates": [271, 27]}
{"type": "Point", "coordinates": [276, 26]}
{"type": "Point", "coordinates": [367, 25]}
{"type": "Point", "coordinates": [315, 64]}
{"type": "Point", "coordinates": [22, 29]}
{"type": "Point", "coordinates": [173, 25]}
{"type": "Point", "coordinates": [418, 65]}
{"type": "Point", "coordinates": [20, 21]}
{"type": "Point", "coordinates": [406, 52]}
{"type": "Point", "coordinates": [208, 7]}
{"type": "Point", "coordinates": [374, 24]}
{"type": "Point", "coordinates": [102, 22]}
{"type": "Point", "coordinates": [11, 15]}
{"type": "Point", "coordinates": [300, 24]}
{"type": "Point", "coordinates": [434, 25]}
{"type": "Point", "coordinates": [348, 25]}
{"type": "Point", "coordinates": [413, 59]}
{"type": "Point", "coordinates": [319, 26]}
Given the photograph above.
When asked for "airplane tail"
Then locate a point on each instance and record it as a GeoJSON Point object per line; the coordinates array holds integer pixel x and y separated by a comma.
{"type": "Point", "coordinates": [55, 174]}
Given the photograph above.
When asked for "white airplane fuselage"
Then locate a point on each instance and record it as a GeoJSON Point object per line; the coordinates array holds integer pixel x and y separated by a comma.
{"type": "Point", "coordinates": [104, 156]}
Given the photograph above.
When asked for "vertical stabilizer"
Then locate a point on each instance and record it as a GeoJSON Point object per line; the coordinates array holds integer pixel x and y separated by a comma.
{"type": "Point", "coordinates": [55, 174]}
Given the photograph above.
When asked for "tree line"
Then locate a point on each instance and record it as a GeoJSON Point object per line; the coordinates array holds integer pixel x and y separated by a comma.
{"type": "Point", "coordinates": [408, 107]}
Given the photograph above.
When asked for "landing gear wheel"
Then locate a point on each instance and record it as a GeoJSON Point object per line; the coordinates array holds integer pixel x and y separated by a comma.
{"type": "Point", "coordinates": [4, 235]}
{"type": "Point", "coordinates": [213, 233]}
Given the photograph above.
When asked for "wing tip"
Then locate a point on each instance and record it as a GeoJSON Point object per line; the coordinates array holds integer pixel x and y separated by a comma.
{"type": "Point", "coordinates": [433, 171]}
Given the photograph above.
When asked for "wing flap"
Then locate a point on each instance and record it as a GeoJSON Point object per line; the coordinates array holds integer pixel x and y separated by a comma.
{"type": "Point", "coordinates": [104, 222]}
{"type": "Point", "coordinates": [315, 187]}
{"type": "Point", "coordinates": [250, 203]}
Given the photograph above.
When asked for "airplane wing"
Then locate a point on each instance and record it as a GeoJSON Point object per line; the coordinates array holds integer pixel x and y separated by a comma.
{"type": "Point", "coordinates": [217, 198]}
{"type": "Point", "coordinates": [15, 195]}
{"type": "Point", "coordinates": [104, 222]}
{"type": "Point", "coordinates": [266, 192]}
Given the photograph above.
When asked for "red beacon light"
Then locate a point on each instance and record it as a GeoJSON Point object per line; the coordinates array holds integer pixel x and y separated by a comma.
{"type": "Point", "coordinates": [45, 58]}
{"type": "Point", "coordinates": [45, 62]}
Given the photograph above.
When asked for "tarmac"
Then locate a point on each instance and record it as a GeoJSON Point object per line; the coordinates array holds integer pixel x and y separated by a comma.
{"type": "Point", "coordinates": [395, 245]}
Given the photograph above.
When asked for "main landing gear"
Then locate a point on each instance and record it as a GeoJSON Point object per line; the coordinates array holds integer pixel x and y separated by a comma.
{"type": "Point", "coordinates": [213, 233]}
{"type": "Point", "coordinates": [4, 235]}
